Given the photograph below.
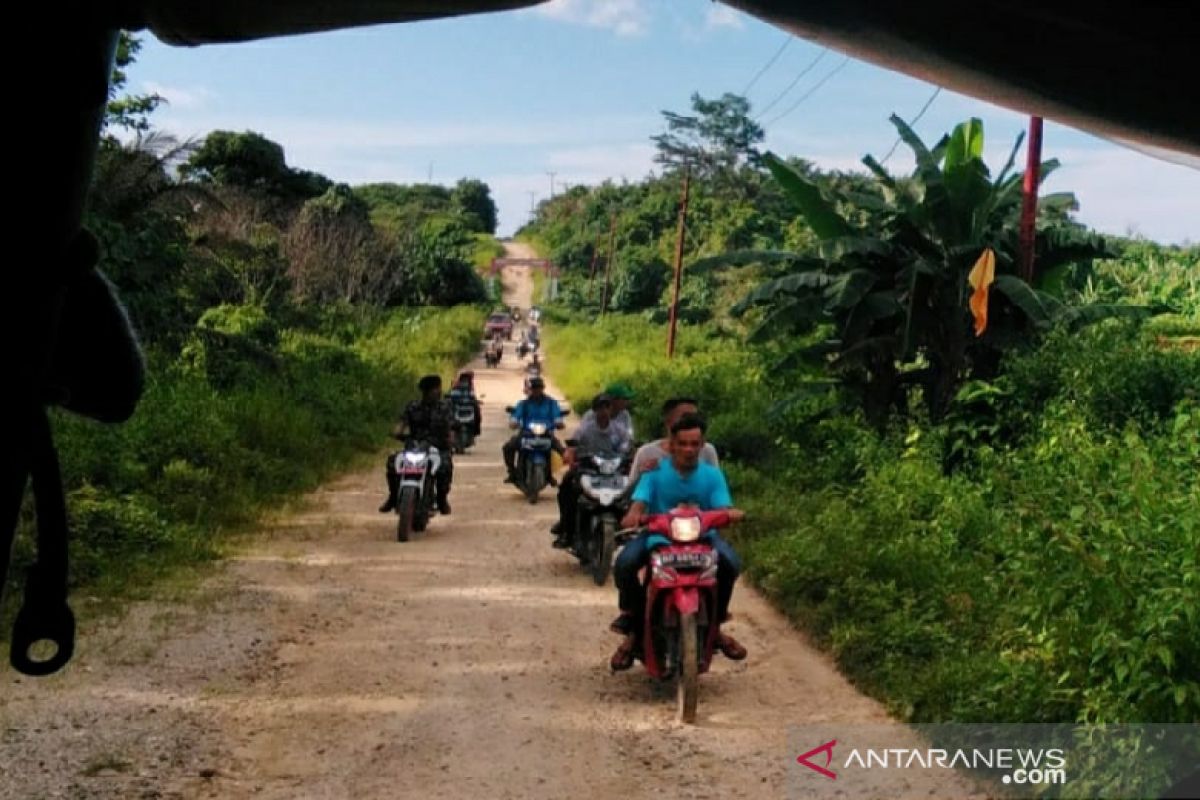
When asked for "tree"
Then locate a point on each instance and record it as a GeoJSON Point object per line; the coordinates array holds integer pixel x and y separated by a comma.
{"type": "Point", "coordinates": [251, 161]}
{"type": "Point", "coordinates": [333, 253]}
{"type": "Point", "coordinates": [473, 200]}
{"type": "Point", "coordinates": [129, 112]}
{"type": "Point", "coordinates": [435, 265]}
{"type": "Point", "coordinates": [715, 142]}
{"type": "Point", "coordinates": [893, 284]}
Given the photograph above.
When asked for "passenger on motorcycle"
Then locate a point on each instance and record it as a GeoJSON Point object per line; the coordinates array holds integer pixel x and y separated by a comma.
{"type": "Point", "coordinates": [596, 435]}
{"type": "Point", "coordinates": [651, 454]}
{"type": "Point", "coordinates": [537, 407]}
{"type": "Point", "coordinates": [621, 396]}
{"type": "Point", "coordinates": [430, 419]}
{"type": "Point", "coordinates": [681, 480]}
{"type": "Point", "coordinates": [463, 394]}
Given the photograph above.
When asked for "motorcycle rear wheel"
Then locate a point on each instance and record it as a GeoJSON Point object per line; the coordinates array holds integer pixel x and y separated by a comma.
{"type": "Point", "coordinates": [688, 679]}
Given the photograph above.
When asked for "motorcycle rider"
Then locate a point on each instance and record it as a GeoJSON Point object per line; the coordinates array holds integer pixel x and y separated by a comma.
{"type": "Point", "coordinates": [596, 435]}
{"type": "Point", "coordinates": [463, 394]}
{"type": "Point", "coordinates": [430, 419]}
{"type": "Point", "coordinates": [496, 348]}
{"type": "Point", "coordinates": [537, 407]}
{"type": "Point", "coordinates": [683, 479]}
{"type": "Point", "coordinates": [648, 456]}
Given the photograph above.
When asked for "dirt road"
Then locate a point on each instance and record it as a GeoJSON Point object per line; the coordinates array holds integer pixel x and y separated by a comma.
{"type": "Point", "coordinates": [329, 661]}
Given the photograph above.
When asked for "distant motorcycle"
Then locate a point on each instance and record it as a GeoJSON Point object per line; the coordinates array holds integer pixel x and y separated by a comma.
{"type": "Point", "coordinates": [464, 427]}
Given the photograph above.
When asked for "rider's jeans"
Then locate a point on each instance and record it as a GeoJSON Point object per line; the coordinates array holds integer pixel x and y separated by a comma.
{"type": "Point", "coordinates": [636, 554]}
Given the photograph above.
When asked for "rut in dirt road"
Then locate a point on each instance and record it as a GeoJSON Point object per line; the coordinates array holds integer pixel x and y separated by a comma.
{"type": "Point", "coordinates": [329, 661]}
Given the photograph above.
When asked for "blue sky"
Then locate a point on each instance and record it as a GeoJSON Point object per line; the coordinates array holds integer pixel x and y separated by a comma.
{"type": "Point", "coordinates": [576, 87]}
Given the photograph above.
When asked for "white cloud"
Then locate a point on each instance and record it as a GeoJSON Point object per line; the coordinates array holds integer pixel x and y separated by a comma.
{"type": "Point", "coordinates": [341, 133]}
{"type": "Point", "coordinates": [584, 165]}
{"type": "Point", "coordinates": [1120, 190]}
{"type": "Point", "coordinates": [719, 16]}
{"type": "Point", "coordinates": [595, 163]}
{"type": "Point", "coordinates": [180, 98]}
{"type": "Point", "coordinates": [623, 17]}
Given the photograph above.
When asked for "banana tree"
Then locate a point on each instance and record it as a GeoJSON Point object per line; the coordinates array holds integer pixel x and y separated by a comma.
{"type": "Point", "coordinates": [895, 290]}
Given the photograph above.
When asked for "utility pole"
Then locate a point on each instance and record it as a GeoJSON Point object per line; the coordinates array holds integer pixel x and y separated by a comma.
{"type": "Point", "coordinates": [592, 268]}
{"type": "Point", "coordinates": [532, 194]}
{"type": "Point", "coordinates": [674, 315]}
{"type": "Point", "coordinates": [612, 241]}
{"type": "Point", "coordinates": [1033, 163]}
{"type": "Point", "coordinates": [551, 174]}
{"type": "Point", "coordinates": [430, 172]}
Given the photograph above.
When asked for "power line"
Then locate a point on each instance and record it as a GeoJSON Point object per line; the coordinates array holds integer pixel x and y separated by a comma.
{"type": "Point", "coordinates": [811, 91]}
{"type": "Point", "coordinates": [792, 85]}
{"type": "Point", "coordinates": [786, 41]}
{"type": "Point", "coordinates": [912, 122]}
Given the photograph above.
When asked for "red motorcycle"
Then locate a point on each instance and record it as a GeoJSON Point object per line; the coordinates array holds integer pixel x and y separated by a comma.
{"type": "Point", "coordinates": [679, 632]}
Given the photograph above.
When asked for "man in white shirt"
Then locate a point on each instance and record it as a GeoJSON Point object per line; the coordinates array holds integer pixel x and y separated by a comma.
{"type": "Point", "coordinates": [649, 455]}
{"type": "Point", "coordinates": [620, 395]}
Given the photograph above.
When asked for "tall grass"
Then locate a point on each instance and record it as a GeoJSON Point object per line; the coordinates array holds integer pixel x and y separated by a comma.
{"type": "Point", "coordinates": [1051, 575]}
{"type": "Point", "coordinates": [226, 430]}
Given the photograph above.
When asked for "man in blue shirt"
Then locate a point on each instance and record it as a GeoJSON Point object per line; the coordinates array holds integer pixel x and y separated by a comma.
{"type": "Point", "coordinates": [537, 407]}
{"type": "Point", "coordinates": [683, 480]}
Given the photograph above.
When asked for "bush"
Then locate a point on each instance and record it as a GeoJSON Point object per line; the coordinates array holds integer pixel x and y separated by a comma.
{"type": "Point", "coordinates": [202, 454]}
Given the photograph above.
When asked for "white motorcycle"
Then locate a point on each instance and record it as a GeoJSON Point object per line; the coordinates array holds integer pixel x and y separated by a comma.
{"type": "Point", "coordinates": [416, 465]}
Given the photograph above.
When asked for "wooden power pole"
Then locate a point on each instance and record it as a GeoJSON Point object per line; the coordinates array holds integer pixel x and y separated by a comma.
{"type": "Point", "coordinates": [674, 315]}
{"type": "Point", "coordinates": [612, 243]}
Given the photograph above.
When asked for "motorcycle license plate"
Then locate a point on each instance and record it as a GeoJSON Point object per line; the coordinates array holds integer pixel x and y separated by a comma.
{"type": "Point", "coordinates": [686, 560]}
{"type": "Point", "coordinates": [536, 442]}
{"type": "Point", "coordinates": [608, 482]}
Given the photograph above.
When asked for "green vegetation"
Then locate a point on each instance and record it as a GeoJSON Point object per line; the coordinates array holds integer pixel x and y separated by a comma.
{"type": "Point", "coordinates": [1015, 539]}
{"type": "Point", "coordinates": [284, 317]}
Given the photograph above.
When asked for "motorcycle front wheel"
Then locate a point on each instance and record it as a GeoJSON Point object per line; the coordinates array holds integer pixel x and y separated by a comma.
{"type": "Point", "coordinates": [406, 512]}
{"type": "Point", "coordinates": [536, 480]}
{"type": "Point", "coordinates": [688, 686]}
{"type": "Point", "coordinates": [603, 542]}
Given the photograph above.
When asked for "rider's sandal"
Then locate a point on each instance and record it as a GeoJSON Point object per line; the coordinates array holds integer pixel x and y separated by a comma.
{"type": "Point", "coordinates": [623, 658]}
{"type": "Point", "coordinates": [730, 647]}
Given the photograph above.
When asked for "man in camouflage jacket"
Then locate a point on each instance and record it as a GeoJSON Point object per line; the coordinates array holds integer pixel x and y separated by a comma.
{"type": "Point", "coordinates": [430, 420]}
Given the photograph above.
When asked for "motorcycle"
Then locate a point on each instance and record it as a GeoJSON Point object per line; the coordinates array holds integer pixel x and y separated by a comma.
{"type": "Point", "coordinates": [492, 355]}
{"type": "Point", "coordinates": [603, 485]}
{"type": "Point", "coordinates": [533, 457]}
{"type": "Point", "coordinates": [416, 465]}
{"type": "Point", "coordinates": [464, 428]}
{"type": "Point", "coordinates": [679, 629]}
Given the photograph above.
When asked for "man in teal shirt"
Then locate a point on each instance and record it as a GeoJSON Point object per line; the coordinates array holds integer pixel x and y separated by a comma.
{"type": "Point", "coordinates": [683, 480]}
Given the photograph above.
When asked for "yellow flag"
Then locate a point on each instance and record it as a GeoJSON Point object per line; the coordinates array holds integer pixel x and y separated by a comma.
{"type": "Point", "coordinates": [981, 277]}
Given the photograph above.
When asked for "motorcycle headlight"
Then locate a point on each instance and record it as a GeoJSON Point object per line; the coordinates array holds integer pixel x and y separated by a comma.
{"type": "Point", "coordinates": [415, 458]}
{"type": "Point", "coordinates": [607, 466]}
{"type": "Point", "coordinates": [538, 429]}
{"type": "Point", "coordinates": [685, 529]}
